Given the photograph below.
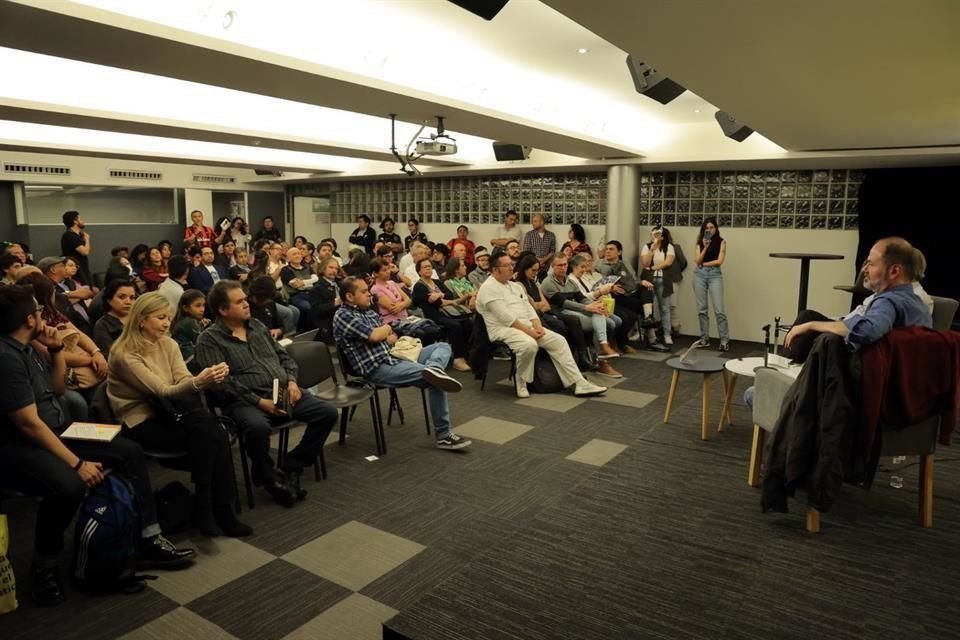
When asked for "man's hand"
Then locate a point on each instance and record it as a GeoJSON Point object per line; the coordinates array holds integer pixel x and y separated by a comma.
{"type": "Point", "coordinates": [619, 290]}
{"type": "Point", "coordinates": [795, 331]}
{"type": "Point", "coordinates": [91, 473]}
{"type": "Point", "coordinates": [536, 332]}
{"type": "Point", "coordinates": [294, 393]}
{"type": "Point", "coordinates": [276, 334]}
{"type": "Point", "coordinates": [392, 339]}
{"type": "Point", "coordinates": [99, 364]}
{"type": "Point", "coordinates": [296, 283]}
{"type": "Point", "coordinates": [646, 284]}
{"type": "Point", "coordinates": [269, 408]}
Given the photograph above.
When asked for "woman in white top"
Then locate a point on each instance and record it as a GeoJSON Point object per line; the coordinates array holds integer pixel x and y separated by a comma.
{"type": "Point", "coordinates": [583, 275]}
{"type": "Point", "coordinates": [657, 255]}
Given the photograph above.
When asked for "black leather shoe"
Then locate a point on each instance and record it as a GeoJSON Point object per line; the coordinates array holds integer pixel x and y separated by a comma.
{"type": "Point", "coordinates": [293, 481]}
{"type": "Point", "coordinates": [46, 587]}
{"type": "Point", "coordinates": [228, 523]}
{"type": "Point", "coordinates": [280, 491]}
{"type": "Point", "coordinates": [159, 553]}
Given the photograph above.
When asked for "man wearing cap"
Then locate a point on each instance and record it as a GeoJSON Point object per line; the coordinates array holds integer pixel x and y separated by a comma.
{"type": "Point", "coordinates": [388, 238]}
{"type": "Point", "coordinates": [508, 231]}
{"type": "Point", "coordinates": [479, 275]}
{"type": "Point", "coordinates": [70, 303]}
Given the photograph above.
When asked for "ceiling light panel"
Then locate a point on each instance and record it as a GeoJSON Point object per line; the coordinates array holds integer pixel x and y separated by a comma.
{"type": "Point", "coordinates": [416, 44]}
{"type": "Point", "coordinates": [118, 91]}
{"type": "Point", "coordinates": [29, 134]}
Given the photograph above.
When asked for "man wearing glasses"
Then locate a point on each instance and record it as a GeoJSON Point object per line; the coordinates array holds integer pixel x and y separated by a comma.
{"type": "Point", "coordinates": [510, 318]}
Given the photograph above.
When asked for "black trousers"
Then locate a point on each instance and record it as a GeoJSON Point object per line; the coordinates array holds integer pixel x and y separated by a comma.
{"type": "Point", "coordinates": [204, 439]}
{"type": "Point", "coordinates": [570, 328]}
{"type": "Point", "coordinates": [255, 425]}
{"type": "Point", "coordinates": [802, 345]}
{"type": "Point", "coordinates": [457, 329]}
{"type": "Point", "coordinates": [37, 472]}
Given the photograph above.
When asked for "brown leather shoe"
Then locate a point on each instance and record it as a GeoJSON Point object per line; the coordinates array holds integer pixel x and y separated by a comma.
{"type": "Point", "coordinates": [627, 349]}
{"type": "Point", "coordinates": [606, 351]}
{"type": "Point", "coordinates": [605, 369]}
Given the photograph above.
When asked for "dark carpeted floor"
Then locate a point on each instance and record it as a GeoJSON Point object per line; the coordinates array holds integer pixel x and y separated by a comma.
{"type": "Point", "coordinates": [514, 540]}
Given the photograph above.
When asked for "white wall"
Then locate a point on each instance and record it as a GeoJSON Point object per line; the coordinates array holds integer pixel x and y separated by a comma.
{"type": "Point", "coordinates": [757, 287]}
{"type": "Point", "coordinates": [311, 225]}
{"type": "Point", "coordinates": [199, 200]}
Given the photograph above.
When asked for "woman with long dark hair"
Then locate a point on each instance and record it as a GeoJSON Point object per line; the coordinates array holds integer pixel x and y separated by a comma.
{"type": "Point", "coordinates": [577, 240]}
{"type": "Point", "coordinates": [708, 280]}
{"type": "Point", "coordinates": [432, 296]}
{"type": "Point", "coordinates": [658, 256]}
{"type": "Point", "coordinates": [118, 298]}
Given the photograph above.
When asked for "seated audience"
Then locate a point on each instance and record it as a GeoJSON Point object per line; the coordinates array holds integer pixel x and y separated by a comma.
{"type": "Point", "coordinates": [324, 298]}
{"type": "Point", "coordinates": [241, 270]}
{"type": "Point", "coordinates": [75, 291]}
{"type": "Point", "coordinates": [566, 325]}
{"type": "Point", "coordinates": [388, 238]}
{"type": "Point", "coordinates": [268, 231]}
{"type": "Point", "coordinates": [76, 311]}
{"type": "Point", "coordinates": [439, 254]}
{"type": "Point", "coordinates": [33, 458]}
{"type": "Point", "coordinates": [9, 265]}
{"type": "Point", "coordinates": [138, 258]}
{"type": "Point", "coordinates": [446, 309]}
{"type": "Point", "coordinates": [298, 279]}
{"type": "Point", "coordinates": [174, 286]}
{"type": "Point", "coordinates": [363, 236]}
{"type": "Point", "coordinates": [920, 272]}
{"type": "Point", "coordinates": [227, 256]}
{"type": "Point", "coordinates": [581, 274]}
{"type": "Point", "coordinates": [256, 362]}
{"type": "Point", "coordinates": [262, 265]}
{"type": "Point", "coordinates": [366, 343]}
{"type": "Point", "coordinates": [413, 226]}
{"type": "Point", "coordinates": [510, 319]}
{"type": "Point", "coordinates": [263, 306]}
{"type": "Point", "coordinates": [116, 271]}
{"type": "Point", "coordinates": [462, 240]}
{"type": "Point", "coordinates": [386, 255]}
{"type": "Point", "coordinates": [189, 321]}
{"type": "Point", "coordinates": [479, 275]}
{"type": "Point", "coordinates": [391, 300]}
{"type": "Point", "coordinates": [508, 231]}
{"type": "Point", "coordinates": [147, 372]}
{"type": "Point", "coordinates": [153, 272]}
{"type": "Point", "coordinates": [208, 273]}
{"type": "Point", "coordinates": [577, 241]}
{"type": "Point", "coordinates": [118, 297]}
{"type": "Point", "coordinates": [513, 250]}
{"type": "Point", "coordinates": [455, 279]}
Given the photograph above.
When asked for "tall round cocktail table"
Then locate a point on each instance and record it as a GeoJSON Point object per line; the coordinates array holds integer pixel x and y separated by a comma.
{"type": "Point", "coordinates": [704, 365]}
{"type": "Point", "coordinates": [805, 259]}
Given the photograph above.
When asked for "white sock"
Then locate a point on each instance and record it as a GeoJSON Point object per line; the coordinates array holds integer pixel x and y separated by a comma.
{"type": "Point", "coordinates": [647, 309]}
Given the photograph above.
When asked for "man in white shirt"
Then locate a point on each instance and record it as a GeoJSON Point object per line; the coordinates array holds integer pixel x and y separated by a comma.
{"type": "Point", "coordinates": [509, 231]}
{"type": "Point", "coordinates": [511, 319]}
{"type": "Point", "coordinates": [417, 253]}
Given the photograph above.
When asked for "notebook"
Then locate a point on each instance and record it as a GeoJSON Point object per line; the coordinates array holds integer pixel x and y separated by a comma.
{"type": "Point", "coordinates": [91, 431]}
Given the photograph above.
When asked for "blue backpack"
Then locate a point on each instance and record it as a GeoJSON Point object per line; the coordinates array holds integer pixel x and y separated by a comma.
{"type": "Point", "coordinates": [106, 539]}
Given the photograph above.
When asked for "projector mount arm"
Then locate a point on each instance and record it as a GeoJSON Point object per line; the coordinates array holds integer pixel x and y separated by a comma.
{"type": "Point", "coordinates": [406, 163]}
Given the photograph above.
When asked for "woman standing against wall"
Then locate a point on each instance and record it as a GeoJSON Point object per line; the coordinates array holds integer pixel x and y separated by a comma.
{"type": "Point", "coordinates": [708, 280]}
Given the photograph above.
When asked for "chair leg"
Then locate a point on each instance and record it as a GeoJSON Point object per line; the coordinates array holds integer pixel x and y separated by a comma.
{"type": "Point", "coordinates": [926, 491]}
{"type": "Point", "coordinates": [756, 454]}
{"type": "Point", "coordinates": [396, 402]}
{"type": "Point", "coordinates": [813, 520]}
{"type": "Point", "coordinates": [382, 442]}
{"type": "Point", "coordinates": [426, 410]}
{"type": "Point", "coordinates": [377, 421]}
{"type": "Point", "coordinates": [345, 416]}
{"type": "Point", "coordinates": [320, 467]}
{"type": "Point", "coordinates": [483, 378]}
{"type": "Point", "coordinates": [673, 391]}
{"type": "Point", "coordinates": [352, 411]}
{"type": "Point", "coordinates": [245, 465]}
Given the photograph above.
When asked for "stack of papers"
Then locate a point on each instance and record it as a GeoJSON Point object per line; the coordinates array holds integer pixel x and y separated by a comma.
{"type": "Point", "coordinates": [91, 431]}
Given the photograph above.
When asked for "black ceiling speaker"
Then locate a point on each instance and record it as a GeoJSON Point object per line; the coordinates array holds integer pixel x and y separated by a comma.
{"type": "Point", "coordinates": [268, 172]}
{"type": "Point", "coordinates": [731, 128]}
{"type": "Point", "coordinates": [486, 9]}
{"type": "Point", "coordinates": [652, 83]}
{"type": "Point", "coordinates": [507, 151]}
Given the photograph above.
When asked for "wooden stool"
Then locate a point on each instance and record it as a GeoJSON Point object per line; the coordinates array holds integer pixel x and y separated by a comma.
{"type": "Point", "coordinates": [706, 365]}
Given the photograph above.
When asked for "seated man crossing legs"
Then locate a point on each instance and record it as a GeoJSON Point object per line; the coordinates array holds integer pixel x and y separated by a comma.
{"type": "Point", "coordinates": [510, 319]}
{"type": "Point", "coordinates": [366, 343]}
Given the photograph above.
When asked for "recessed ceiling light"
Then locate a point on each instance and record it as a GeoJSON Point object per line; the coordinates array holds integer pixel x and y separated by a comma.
{"type": "Point", "coordinates": [583, 50]}
{"type": "Point", "coordinates": [696, 110]}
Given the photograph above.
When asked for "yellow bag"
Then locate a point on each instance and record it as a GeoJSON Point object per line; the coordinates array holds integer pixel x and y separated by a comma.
{"type": "Point", "coordinates": [610, 303]}
{"type": "Point", "coordinates": [8, 586]}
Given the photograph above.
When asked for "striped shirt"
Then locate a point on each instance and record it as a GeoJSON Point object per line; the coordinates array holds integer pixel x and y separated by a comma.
{"type": "Point", "coordinates": [254, 363]}
{"type": "Point", "coordinates": [351, 329]}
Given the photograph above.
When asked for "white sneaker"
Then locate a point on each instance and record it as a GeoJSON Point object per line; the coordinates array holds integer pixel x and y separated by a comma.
{"type": "Point", "coordinates": [438, 378]}
{"type": "Point", "coordinates": [522, 389]}
{"type": "Point", "coordinates": [586, 388]}
{"type": "Point", "coordinates": [667, 340]}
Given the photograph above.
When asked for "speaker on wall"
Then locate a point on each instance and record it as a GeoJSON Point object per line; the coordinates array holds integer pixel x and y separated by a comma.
{"type": "Point", "coordinates": [652, 83]}
{"type": "Point", "coordinates": [731, 128]}
{"type": "Point", "coordinates": [268, 172]}
{"type": "Point", "coordinates": [486, 9]}
{"type": "Point", "coordinates": [507, 151]}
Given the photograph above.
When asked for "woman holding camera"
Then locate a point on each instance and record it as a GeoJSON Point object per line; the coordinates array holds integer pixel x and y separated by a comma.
{"type": "Point", "coordinates": [708, 279]}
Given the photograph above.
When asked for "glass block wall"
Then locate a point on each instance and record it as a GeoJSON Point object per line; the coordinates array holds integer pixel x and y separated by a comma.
{"type": "Point", "coordinates": [796, 199]}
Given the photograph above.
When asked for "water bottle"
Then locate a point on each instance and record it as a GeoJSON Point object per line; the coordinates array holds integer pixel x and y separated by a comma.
{"type": "Point", "coordinates": [896, 481]}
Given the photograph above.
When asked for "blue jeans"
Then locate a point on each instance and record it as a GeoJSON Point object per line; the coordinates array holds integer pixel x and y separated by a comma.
{"type": "Point", "coordinates": [709, 280]}
{"type": "Point", "coordinates": [663, 303]}
{"type": "Point", "coordinates": [301, 302]}
{"type": "Point", "coordinates": [404, 373]}
{"type": "Point", "coordinates": [289, 317]}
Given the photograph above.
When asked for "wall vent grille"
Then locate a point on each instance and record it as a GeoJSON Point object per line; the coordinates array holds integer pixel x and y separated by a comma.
{"type": "Point", "coordinates": [208, 178]}
{"type": "Point", "coordinates": [35, 169]}
{"type": "Point", "coordinates": [135, 174]}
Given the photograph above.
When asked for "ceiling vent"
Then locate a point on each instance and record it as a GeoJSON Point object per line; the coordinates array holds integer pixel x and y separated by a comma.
{"type": "Point", "coordinates": [35, 169]}
{"type": "Point", "coordinates": [210, 178]}
{"type": "Point", "coordinates": [135, 174]}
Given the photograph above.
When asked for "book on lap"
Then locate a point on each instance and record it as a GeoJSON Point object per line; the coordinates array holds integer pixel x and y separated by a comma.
{"type": "Point", "coordinates": [91, 432]}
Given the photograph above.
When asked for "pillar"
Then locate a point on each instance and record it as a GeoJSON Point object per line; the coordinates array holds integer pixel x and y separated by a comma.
{"type": "Point", "coordinates": [623, 215]}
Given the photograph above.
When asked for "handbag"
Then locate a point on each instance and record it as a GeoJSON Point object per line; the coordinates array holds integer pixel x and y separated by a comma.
{"type": "Point", "coordinates": [456, 311]}
{"type": "Point", "coordinates": [76, 377]}
{"type": "Point", "coordinates": [8, 586]}
{"type": "Point", "coordinates": [407, 348]}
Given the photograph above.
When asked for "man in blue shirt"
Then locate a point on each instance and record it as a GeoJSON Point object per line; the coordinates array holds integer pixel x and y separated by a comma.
{"type": "Point", "coordinates": [889, 272]}
{"type": "Point", "coordinates": [366, 343]}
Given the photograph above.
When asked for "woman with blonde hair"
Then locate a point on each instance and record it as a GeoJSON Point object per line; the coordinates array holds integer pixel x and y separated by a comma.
{"type": "Point", "coordinates": [146, 373]}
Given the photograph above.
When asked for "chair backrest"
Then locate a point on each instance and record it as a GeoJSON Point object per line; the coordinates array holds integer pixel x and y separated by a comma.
{"type": "Point", "coordinates": [770, 388]}
{"type": "Point", "coordinates": [313, 361]}
{"type": "Point", "coordinates": [100, 409]}
{"type": "Point", "coordinates": [306, 336]}
{"type": "Point", "coordinates": [944, 309]}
